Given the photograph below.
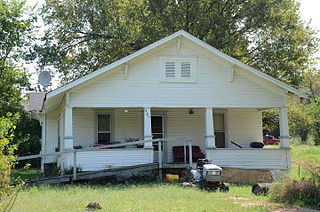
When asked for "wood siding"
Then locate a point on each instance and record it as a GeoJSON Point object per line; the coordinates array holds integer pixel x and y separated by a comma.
{"type": "Point", "coordinates": [143, 87]}
{"type": "Point", "coordinates": [251, 158]}
{"type": "Point", "coordinates": [244, 126]}
{"type": "Point", "coordinates": [51, 140]}
{"type": "Point", "coordinates": [104, 159]}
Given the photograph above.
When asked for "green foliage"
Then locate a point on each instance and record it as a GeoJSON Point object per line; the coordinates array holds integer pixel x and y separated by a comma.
{"type": "Point", "coordinates": [302, 186]}
{"type": "Point", "coordinates": [300, 120]}
{"type": "Point", "coordinates": [25, 174]}
{"type": "Point", "coordinates": [303, 121]}
{"type": "Point", "coordinates": [311, 84]}
{"type": "Point", "coordinates": [86, 35]}
{"type": "Point", "coordinates": [6, 155]}
{"type": "Point", "coordinates": [16, 24]}
{"type": "Point", "coordinates": [302, 192]}
{"type": "Point", "coordinates": [270, 121]}
{"type": "Point", "coordinates": [315, 113]}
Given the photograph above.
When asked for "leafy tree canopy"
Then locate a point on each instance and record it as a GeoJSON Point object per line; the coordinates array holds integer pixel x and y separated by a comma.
{"type": "Point", "coordinates": [15, 38]}
{"type": "Point", "coordinates": [16, 25]}
{"type": "Point", "coordinates": [89, 34]}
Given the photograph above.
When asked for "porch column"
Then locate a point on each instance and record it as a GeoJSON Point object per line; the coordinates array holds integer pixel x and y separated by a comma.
{"type": "Point", "coordinates": [284, 128]}
{"type": "Point", "coordinates": [209, 128]}
{"type": "Point", "coordinates": [147, 135]}
{"type": "Point", "coordinates": [68, 131]}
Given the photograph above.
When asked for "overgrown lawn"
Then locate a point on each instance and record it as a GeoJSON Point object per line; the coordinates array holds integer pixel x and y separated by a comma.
{"type": "Point", "coordinates": [147, 197]}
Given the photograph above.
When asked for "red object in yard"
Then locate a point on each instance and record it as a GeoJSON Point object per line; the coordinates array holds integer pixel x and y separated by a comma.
{"type": "Point", "coordinates": [178, 153]}
{"type": "Point", "coordinates": [270, 140]}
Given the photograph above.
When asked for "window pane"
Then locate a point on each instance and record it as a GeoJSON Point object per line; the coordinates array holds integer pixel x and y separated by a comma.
{"type": "Point", "coordinates": [103, 123]}
{"type": "Point", "coordinates": [103, 137]}
{"type": "Point", "coordinates": [156, 124]}
{"type": "Point", "coordinates": [218, 122]}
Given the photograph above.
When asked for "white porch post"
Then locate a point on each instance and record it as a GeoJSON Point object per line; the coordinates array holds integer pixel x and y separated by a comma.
{"type": "Point", "coordinates": [147, 135]}
{"type": "Point", "coordinates": [68, 131]}
{"type": "Point", "coordinates": [284, 128]}
{"type": "Point", "coordinates": [209, 128]}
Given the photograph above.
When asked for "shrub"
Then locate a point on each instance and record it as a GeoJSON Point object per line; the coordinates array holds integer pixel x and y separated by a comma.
{"type": "Point", "coordinates": [304, 192]}
{"type": "Point", "coordinates": [6, 155]}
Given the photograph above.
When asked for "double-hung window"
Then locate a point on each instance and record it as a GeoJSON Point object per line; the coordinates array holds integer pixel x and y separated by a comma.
{"type": "Point", "coordinates": [104, 128]}
{"type": "Point", "coordinates": [177, 69]}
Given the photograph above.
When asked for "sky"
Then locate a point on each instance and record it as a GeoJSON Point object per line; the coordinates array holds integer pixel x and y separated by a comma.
{"type": "Point", "coordinates": [309, 10]}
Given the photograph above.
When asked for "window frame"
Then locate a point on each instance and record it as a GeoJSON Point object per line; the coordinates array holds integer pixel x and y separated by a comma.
{"type": "Point", "coordinates": [104, 112]}
{"type": "Point", "coordinates": [177, 61]}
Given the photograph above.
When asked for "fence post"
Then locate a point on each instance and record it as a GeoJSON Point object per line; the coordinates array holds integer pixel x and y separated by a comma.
{"type": "Point", "coordinates": [190, 153]}
{"type": "Point", "coordinates": [160, 160]}
{"type": "Point", "coordinates": [74, 165]}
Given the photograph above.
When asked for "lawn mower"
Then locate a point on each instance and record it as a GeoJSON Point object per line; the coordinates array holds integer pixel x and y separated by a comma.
{"type": "Point", "coordinates": [208, 176]}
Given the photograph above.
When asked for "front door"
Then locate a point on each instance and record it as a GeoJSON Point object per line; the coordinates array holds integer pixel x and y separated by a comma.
{"type": "Point", "coordinates": [157, 127]}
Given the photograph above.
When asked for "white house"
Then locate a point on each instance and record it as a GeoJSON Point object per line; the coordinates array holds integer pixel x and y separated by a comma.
{"type": "Point", "coordinates": [177, 87]}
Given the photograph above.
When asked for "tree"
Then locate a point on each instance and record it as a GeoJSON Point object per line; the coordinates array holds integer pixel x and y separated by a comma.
{"type": "Point", "coordinates": [300, 120]}
{"type": "Point", "coordinates": [16, 24]}
{"type": "Point", "coordinates": [315, 112]}
{"type": "Point", "coordinates": [311, 83]}
{"type": "Point", "coordinates": [86, 35]}
{"type": "Point", "coordinates": [15, 38]}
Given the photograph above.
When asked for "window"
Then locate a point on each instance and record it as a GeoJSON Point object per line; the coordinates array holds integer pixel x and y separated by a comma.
{"type": "Point", "coordinates": [104, 128]}
{"type": "Point", "coordinates": [219, 130]}
{"type": "Point", "coordinates": [177, 69]}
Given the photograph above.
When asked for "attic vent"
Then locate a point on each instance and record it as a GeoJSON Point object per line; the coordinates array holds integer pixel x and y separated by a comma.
{"type": "Point", "coordinates": [176, 69]}
{"type": "Point", "coordinates": [170, 69]}
{"type": "Point", "coordinates": [185, 69]}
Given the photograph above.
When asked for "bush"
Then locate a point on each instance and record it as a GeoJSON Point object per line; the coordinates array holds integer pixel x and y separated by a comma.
{"type": "Point", "coordinates": [304, 192]}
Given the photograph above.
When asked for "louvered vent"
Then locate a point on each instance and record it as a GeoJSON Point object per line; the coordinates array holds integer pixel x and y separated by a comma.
{"type": "Point", "coordinates": [185, 69]}
{"type": "Point", "coordinates": [170, 69]}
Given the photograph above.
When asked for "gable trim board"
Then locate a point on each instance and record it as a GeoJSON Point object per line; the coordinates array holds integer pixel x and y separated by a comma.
{"type": "Point", "coordinates": [233, 62]}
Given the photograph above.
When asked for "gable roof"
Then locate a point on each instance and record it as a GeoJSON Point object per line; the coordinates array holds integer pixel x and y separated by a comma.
{"type": "Point", "coordinates": [154, 45]}
{"type": "Point", "coordinates": [35, 102]}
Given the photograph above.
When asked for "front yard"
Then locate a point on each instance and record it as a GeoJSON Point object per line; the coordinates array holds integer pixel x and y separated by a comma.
{"type": "Point", "coordinates": [154, 196]}
{"type": "Point", "coordinates": [147, 197]}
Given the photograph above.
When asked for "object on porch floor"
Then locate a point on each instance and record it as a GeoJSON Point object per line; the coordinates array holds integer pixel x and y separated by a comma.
{"type": "Point", "coordinates": [101, 144]}
{"type": "Point", "coordinates": [261, 188]}
{"type": "Point", "coordinates": [135, 139]}
{"type": "Point", "coordinates": [178, 153]}
{"type": "Point", "coordinates": [236, 144]}
{"type": "Point", "coordinates": [256, 145]}
{"type": "Point", "coordinates": [77, 147]}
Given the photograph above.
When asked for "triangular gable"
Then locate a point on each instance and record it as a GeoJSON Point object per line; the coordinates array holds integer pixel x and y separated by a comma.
{"type": "Point", "coordinates": [156, 44]}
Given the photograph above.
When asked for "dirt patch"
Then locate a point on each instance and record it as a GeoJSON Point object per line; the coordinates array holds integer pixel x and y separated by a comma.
{"type": "Point", "coordinates": [257, 203]}
{"type": "Point", "coordinates": [294, 209]}
{"type": "Point", "coordinates": [238, 198]}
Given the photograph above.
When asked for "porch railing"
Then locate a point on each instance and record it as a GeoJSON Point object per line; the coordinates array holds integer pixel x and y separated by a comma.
{"type": "Point", "coordinates": [103, 147]}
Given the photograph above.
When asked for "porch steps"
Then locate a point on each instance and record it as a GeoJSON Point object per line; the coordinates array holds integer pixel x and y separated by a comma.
{"type": "Point", "coordinates": [96, 174]}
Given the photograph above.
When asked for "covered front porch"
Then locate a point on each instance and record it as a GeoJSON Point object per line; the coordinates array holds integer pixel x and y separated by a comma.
{"type": "Point", "coordinates": [210, 129]}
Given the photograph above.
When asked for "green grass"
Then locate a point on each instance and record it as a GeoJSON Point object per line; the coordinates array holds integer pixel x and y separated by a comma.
{"type": "Point", "coordinates": [26, 174]}
{"type": "Point", "coordinates": [147, 197]}
{"type": "Point", "coordinates": [300, 154]}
